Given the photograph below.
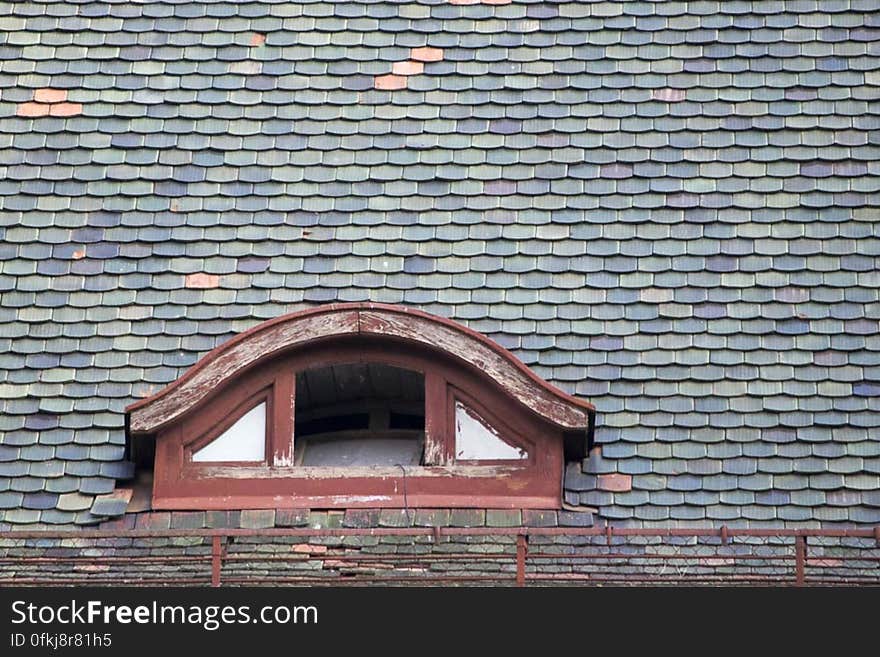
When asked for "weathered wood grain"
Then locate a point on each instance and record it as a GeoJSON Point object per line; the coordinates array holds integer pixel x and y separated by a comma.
{"type": "Point", "coordinates": [228, 360]}
{"type": "Point", "coordinates": [300, 329]}
{"type": "Point", "coordinates": [534, 482]}
{"type": "Point", "coordinates": [501, 366]}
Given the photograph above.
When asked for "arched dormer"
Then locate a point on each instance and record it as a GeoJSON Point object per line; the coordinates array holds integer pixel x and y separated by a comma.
{"type": "Point", "coordinates": [359, 405]}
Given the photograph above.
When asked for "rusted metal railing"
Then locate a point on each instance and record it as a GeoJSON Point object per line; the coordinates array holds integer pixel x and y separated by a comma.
{"type": "Point", "coordinates": [441, 555]}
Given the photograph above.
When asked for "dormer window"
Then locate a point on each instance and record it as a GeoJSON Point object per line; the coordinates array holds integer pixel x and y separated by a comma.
{"type": "Point", "coordinates": [359, 405]}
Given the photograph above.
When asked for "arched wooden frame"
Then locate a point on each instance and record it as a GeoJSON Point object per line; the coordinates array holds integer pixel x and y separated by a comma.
{"type": "Point", "coordinates": [262, 362]}
{"type": "Point", "coordinates": [504, 427]}
{"type": "Point", "coordinates": [225, 409]}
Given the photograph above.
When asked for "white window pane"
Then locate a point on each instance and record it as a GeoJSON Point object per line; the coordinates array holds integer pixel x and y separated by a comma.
{"type": "Point", "coordinates": [477, 440]}
{"type": "Point", "coordinates": [243, 441]}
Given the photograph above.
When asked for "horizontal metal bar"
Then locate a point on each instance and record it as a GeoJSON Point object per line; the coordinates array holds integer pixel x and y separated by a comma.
{"type": "Point", "coordinates": [99, 560]}
{"type": "Point", "coordinates": [431, 531]}
{"type": "Point", "coordinates": [210, 533]}
{"type": "Point", "coordinates": [91, 581]}
{"type": "Point", "coordinates": [434, 556]}
{"type": "Point", "coordinates": [416, 580]}
{"type": "Point", "coordinates": [855, 581]}
{"type": "Point", "coordinates": [815, 562]}
{"type": "Point", "coordinates": [664, 579]}
{"type": "Point", "coordinates": [661, 557]}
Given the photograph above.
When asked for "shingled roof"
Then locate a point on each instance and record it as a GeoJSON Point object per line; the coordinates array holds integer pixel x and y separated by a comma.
{"type": "Point", "coordinates": [667, 208]}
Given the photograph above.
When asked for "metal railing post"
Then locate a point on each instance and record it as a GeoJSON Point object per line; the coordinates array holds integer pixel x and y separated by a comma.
{"type": "Point", "coordinates": [216, 560]}
{"type": "Point", "coordinates": [521, 549]}
{"type": "Point", "coordinates": [800, 559]}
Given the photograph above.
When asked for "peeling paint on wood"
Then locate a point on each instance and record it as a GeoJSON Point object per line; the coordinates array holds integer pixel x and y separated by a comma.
{"type": "Point", "coordinates": [500, 365]}
{"type": "Point", "coordinates": [260, 365]}
{"type": "Point", "coordinates": [345, 500]}
{"type": "Point", "coordinates": [378, 472]}
{"type": "Point", "coordinates": [296, 330]}
{"type": "Point", "coordinates": [228, 360]}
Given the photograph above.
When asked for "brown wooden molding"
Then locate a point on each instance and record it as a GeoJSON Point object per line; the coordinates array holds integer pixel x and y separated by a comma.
{"type": "Point", "coordinates": [489, 357]}
{"type": "Point", "coordinates": [299, 330]}
{"type": "Point", "coordinates": [536, 482]}
{"type": "Point", "coordinates": [235, 356]}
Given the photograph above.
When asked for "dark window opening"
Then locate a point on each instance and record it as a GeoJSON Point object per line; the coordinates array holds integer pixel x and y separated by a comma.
{"type": "Point", "coordinates": [406, 421]}
{"type": "Point", "coordinates": [360, 414]}
{"type": "Point", "coordinates": [357, 421]}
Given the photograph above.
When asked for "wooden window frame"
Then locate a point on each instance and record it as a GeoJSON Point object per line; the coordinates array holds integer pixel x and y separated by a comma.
{"type": "Point", "coordinates": [505, 431]}
{"type": "Point", "coordinates": [181, 483]}
{"type": "Point", "coordinates": [217, 419]}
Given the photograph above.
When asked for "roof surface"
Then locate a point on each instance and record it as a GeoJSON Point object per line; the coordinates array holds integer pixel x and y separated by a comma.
{"type": "Point", "coordinates": [667, 208]}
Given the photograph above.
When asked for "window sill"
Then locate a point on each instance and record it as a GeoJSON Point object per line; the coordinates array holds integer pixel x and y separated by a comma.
{"type": "Point", "coordinates": [355, 501]}
{"type": "Point", "coordinates": [488, 470]}
{"type": "Point", "coordinates": [506, 486]}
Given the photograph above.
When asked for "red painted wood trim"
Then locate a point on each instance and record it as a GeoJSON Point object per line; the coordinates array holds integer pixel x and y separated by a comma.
{"type": "Point", "coordinates": [480, 353]}
{"type": "Point", "coordinates": [222, 416]}
{"type": "Point", "coordinates": [234, 357]}
{"type": "Point", "coordinates": [505, 431]}
{"type": "Point", "coordinates": [536, 483]}
{"type": "Point", "coordinates": [280, 452]}
{"type": "Point", "coordinates": [438, 450]}
{"type": "Point", "coordinates": [394, 323]}
{"type": "Point", "coordinates": [354, 501]}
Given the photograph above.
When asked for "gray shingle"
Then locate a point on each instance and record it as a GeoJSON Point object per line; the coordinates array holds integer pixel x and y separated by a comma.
{"type": "Point", "coordinates": [690, 243]}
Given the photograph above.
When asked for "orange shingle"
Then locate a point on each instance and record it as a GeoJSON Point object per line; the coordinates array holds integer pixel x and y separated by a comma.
{"type": "Point", "coordinates": [391, 82]}
{"type": "Point", "coordinates": [200, 280]}
{"type": "Point", "coordinates": [407, 68]}
{"type": "Point", "coordinates": [32, 109]}
{"type": "Point", "coordinates": [65, 109]}
{"type": "Point", "coordinates": [619, 483]}
{"type": "Point", "coordinates": [427, 54]}
{"type": "Point", "coordinates": [50, 95]}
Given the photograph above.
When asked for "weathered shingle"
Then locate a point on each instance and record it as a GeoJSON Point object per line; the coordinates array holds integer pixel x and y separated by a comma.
{"type": "Point", "coordinates": [672, 213]}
